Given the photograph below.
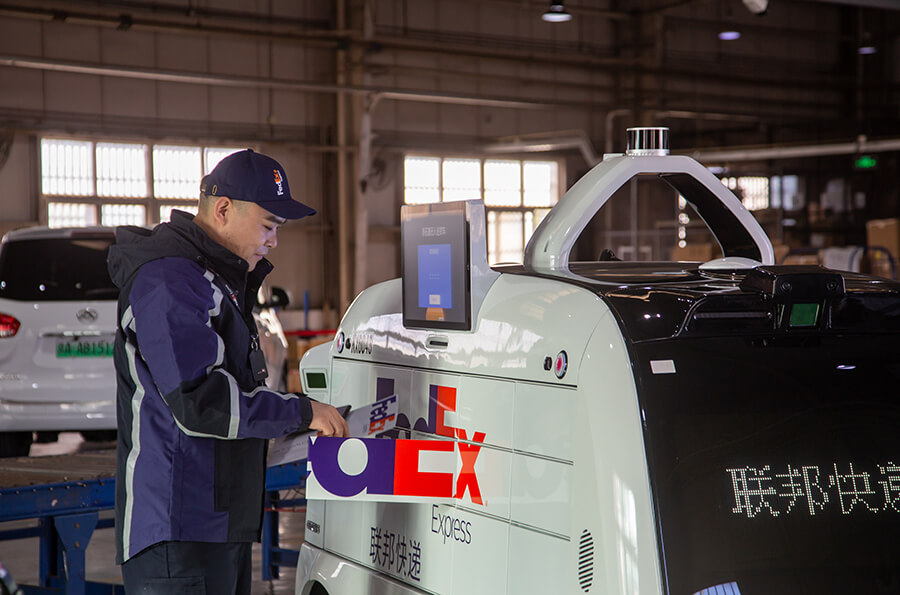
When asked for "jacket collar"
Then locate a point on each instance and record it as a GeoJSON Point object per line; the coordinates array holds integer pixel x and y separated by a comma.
{"type": "Point", "coordinates": [218, 258]}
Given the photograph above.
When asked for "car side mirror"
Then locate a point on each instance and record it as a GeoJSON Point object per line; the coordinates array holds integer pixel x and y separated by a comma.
{"type": "Point", "coordinates": [278, 299]}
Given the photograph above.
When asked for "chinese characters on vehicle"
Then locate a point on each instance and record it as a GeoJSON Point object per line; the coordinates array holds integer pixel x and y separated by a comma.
{"type": "Point", "coordinates": [395, 552]}
{"type": "Point", "coordinates": [788, 489]}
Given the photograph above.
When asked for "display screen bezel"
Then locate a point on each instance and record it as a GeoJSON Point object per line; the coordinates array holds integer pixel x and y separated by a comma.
{"type": "Point", "coordinates": [436, 224]}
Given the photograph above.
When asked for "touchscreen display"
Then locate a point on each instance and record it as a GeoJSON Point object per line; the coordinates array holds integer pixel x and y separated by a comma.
{"type": "Point", "coordinates": [435, 276]}
{"type": "Point", "coordinates": [436, 284]}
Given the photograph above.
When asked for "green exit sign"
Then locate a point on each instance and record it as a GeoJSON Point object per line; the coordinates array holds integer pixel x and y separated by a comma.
{"type": "Point", "coordinates": [865, 162]}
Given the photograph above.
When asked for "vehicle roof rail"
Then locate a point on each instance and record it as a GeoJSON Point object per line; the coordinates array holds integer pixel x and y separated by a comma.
{"type": "Point", "coordinates": [736, 230]}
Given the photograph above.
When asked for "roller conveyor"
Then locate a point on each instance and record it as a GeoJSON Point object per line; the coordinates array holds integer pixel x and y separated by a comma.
{"type": "Point", "coordinates": [65, 493]}
{"type": "Point", "coordinates": [28, 471]}
{"type": "Point", "coordinates": [41, 487]}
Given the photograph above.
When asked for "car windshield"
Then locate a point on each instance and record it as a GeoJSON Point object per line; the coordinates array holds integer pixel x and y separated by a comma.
{"type": "Point", "coordinates": [57, 269]}
{"type": "Point", "coordinates": [775, 462]}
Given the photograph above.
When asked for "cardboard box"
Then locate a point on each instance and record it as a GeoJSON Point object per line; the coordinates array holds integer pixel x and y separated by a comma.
{"type": "Point", "coordinates": [806, 259]}
{"type": "Point", "coordinates": [692, 253]}
{"type": "Point", "coordinates": [878, 264]}
{"type": "Point", "coordinates": [884, 233]}
{"type": "Point", "coordinates": [296, 348]}
{"type": "Point", "coordinates": [293, 378]}
{"type": "Point", "coordinates": [781, 251]}
{"type": "Point", "coordinates": [320, 339]}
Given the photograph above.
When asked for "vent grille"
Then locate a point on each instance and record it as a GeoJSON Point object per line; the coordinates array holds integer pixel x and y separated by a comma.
{"type": "Point", "coordinates": [731, 314]}
{"type": "Point", "coordinates": [586, 561]}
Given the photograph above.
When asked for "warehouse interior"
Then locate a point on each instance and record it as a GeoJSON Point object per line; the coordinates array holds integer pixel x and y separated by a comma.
{"type": "Point", "coordinates": [342, 93]}
{"type": "Point", "coordinates": [112, 110]}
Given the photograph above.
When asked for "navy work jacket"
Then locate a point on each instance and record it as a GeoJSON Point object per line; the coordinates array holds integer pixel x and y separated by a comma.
{"type": "Point", "coordinates": [193, 421]}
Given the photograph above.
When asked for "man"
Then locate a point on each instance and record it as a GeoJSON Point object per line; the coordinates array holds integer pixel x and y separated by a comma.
{"type": "Point", "coordinates": [194, 414]}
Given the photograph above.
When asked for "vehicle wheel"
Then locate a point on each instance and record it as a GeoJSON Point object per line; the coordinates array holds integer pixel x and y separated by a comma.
{"type": "Point", "coordinates": [99, 435]}
{"type": "Point", "coordinates": [15, 444]}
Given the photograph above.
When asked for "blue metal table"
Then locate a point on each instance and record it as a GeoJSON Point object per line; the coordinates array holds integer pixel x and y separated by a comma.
{"type": "Point", "coordinates": [66, 494]}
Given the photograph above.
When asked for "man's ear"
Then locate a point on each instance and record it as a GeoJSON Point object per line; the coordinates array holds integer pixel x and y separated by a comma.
{"type": "Point", "coordinates": [223, 210]}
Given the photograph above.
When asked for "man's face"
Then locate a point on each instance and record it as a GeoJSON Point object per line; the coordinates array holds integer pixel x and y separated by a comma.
{"type": "Point", "coordinates": [250, 231]}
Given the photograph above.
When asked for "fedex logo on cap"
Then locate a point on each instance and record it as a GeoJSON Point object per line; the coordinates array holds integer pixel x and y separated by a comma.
{"type": "Point", "coordinates": [385, 470]}
{"type": "Point", "coordinates": [278, 181]}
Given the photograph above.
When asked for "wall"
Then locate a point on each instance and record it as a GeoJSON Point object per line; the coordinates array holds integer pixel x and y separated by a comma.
{"type": "Point", "coordinates": [18, 179]}
{"type": "Point", "coordinates": [290, 125]}
{"type": "Point", "coordinates": [794, 76]}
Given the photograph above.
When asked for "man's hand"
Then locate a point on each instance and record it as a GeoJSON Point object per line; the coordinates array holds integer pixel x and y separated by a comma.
{"type": "Point", "coordinates": [327, 421]}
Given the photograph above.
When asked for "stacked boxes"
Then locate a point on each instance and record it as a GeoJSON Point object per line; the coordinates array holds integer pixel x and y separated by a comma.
{"type": "Point", "coordinates": [695, 252]}
{"type": "Point", "coordinates": [883, 233]}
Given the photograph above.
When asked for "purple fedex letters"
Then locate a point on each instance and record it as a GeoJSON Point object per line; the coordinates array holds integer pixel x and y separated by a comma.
{"type": "Point", "coordinates": [398, 470]}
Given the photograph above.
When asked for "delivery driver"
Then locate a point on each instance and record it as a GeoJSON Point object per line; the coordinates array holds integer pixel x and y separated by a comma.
{"type": "Point", "coordinates": [194, 413]}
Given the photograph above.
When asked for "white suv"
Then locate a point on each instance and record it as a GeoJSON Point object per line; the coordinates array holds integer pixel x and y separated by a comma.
{"type": "Point", "coordinates": [57, 328]}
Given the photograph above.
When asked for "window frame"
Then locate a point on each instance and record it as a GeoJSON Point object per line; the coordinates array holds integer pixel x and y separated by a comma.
{"type": "Point", "coordinates": [560, 182]}
{"type": "Point", "coordinates": [150, 202]}
{"type": "Point", "coordinates": [751, 203]}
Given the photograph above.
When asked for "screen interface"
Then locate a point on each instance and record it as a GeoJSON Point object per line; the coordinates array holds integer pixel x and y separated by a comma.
{"type": "Point", "coordinates": [436, 282]}
{"type": "Point", "coordinates": [775, 463]}
{"type": "Point", "coordinates": [435, 276]}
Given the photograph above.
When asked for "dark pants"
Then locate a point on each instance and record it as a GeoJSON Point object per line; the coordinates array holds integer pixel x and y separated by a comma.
{"type": "Point", "coordinates": [189, 568]}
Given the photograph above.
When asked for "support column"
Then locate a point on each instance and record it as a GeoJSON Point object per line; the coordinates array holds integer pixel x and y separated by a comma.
{"type": "Point", "coordinates": [363, 107]}
{"type": "Point", "coordinates": [364, 164]}
{"type": "Point", "coordinates": [343, 235]}
{"type": "Point", "coordinates": [75, 533]}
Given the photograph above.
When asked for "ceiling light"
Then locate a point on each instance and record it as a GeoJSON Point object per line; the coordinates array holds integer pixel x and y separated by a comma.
{"type": "Point", "coordinates": [867, 50]}
{"type": "Point", "coordinates": [757, 7]}
{"type": "Point", "coordinates": [729, 35]}
{"type": "Point", "coordinates": [557, 13]}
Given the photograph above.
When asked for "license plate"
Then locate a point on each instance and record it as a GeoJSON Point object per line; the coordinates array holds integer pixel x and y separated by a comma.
{"type": "Point", "coordinates": [84, 349]}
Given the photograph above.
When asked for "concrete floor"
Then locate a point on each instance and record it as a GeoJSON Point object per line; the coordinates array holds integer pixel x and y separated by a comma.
{"type": "Point", "coordinates": [20, 556]}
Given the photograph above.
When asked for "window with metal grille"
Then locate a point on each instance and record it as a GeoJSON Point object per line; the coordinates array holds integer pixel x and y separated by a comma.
{"type": "Point", "coordinates": [122, 214]}
{"type": "Point", "coordinates": [86, 182]}
{"type": "Point", "coordinates": [71, 214]}
{"type": "Point", "coordinates": [752, 190]}
{"type": "Point", "coordinates": [165, 211]}
{"type": "Point", "coordinates": [67, 167]}
{"type": "Point", "coordinates": [517, 194]}
{"type": "Point", "coordinates": [121, 170]}
{"type": "Point", "coordinates": [176, 171]}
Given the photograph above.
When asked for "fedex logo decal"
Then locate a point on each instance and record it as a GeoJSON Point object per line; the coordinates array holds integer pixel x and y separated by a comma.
{"type": "Point", "coordinates": [442, 399]}
{"type": "Point", "coordinates": [399, 470]}
{"type": "Point", "coordinates": [278, 180]}
{"type": "Point", "coordinates": [380, 415]}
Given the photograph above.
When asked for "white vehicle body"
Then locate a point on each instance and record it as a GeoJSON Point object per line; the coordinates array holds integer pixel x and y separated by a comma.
{"type": "Point", "coordinates": [572, 457]}
{"type": "Point", "coordinates": [61, 306]}
{"type": "Point", "coordinates": [40, 391]}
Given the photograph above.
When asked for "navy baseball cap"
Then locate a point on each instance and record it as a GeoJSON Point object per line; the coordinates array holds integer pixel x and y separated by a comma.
{"type": "Point", "coordinates": [254, 177]}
